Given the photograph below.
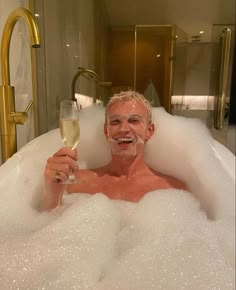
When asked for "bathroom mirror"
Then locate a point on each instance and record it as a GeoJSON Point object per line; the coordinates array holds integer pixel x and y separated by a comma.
{"type": "Point", "coordinates": [103, 36]}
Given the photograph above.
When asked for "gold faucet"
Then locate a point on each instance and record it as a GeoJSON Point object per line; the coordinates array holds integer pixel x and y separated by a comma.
{"type": "Point", "coordinates": [8, 117]}
{"type": "Point", "coordinates": [87, 73]}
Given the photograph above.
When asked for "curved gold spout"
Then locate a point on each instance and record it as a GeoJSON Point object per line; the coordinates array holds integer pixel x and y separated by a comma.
{"type": "Point", "coordinates": [84, 72]}
{"type": "Point", "coordinates": [6, 37]}
{"type": "Point", "coordinates": [89, 74]}
{"type": "Point", "coordinates": [9, 118]}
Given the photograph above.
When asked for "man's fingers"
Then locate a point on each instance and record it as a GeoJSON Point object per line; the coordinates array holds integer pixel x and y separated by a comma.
{"type": "Point", "coordinates": [65, 151]}
{"type": "Point", "coordinates": [61, 164]}
{"type": "Point", "coordinates": [59, 176]}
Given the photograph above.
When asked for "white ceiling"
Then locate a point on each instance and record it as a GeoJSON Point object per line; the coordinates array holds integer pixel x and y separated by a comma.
{"type": "Point", "coordinates": [190, 15]}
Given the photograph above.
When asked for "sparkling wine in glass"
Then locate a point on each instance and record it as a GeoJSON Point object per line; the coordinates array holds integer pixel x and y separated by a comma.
{"type": "Point", "coordinates": [70, 129]}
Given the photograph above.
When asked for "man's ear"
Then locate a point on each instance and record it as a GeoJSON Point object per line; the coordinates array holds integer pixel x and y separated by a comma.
{"type": "Point", "coordinates": [105, 130]}
{"type": "Point", "coordinates": [150, 131]}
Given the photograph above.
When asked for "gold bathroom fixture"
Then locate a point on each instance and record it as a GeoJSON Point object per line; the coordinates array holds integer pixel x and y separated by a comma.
{"type": "Point", "coordinates": [89, 74]}
{"type": "Point", "coordinates": [8, 117]}
{"type": "Point", "coordinates": [225, 40]}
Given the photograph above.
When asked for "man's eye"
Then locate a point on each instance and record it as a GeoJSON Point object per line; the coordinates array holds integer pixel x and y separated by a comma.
{"type": "Point", "coordinates": [114, 122]}
{"type": "Point", "coordinates": [134, 121]}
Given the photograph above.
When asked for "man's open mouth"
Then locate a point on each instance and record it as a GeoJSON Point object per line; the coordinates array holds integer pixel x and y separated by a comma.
{"type": "Point", "coordinates": [124, 140]}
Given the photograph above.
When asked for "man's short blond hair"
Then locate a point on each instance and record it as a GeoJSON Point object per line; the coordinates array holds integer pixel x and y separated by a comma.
{"type": "Point", "coordinates": [128, 96]}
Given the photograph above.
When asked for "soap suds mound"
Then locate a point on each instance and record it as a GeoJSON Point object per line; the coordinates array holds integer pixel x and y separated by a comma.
{"type": "Point", "coordinates": [165, 241]}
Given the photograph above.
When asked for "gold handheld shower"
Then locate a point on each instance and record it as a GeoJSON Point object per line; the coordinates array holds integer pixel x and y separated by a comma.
{"type": "Point", "coordinates": [8, 117]}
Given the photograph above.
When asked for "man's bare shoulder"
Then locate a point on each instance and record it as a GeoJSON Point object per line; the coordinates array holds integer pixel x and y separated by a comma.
{"type": "Point", "coordinates": [172, 181]}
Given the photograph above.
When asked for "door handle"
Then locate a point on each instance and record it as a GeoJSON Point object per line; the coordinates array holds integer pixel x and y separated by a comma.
{"type": "Point", "coordinates": [225, 40]}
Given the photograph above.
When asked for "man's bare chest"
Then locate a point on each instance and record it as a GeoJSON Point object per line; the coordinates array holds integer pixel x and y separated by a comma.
{"type": "Point", "coordinates": [120, 187]}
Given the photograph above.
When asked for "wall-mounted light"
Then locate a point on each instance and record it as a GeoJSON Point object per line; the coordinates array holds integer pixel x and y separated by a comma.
{"type": "Point", "coordinates": [158, 55]}
{"type": "Point", "coordinates": [201, 31]}
{"type": "Point", "coordinates": [68, 45]}
{"type": "Point", "coordinates": [36, 15]}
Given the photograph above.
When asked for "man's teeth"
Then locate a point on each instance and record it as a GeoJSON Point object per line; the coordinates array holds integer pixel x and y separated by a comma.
{"type": "Point", "coordinates": [120, 140]}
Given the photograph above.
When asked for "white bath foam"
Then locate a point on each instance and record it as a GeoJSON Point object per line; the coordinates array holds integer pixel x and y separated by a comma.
{"type": "Point", "coordinates": [27, 240]}
{"type": "Point", "coordinates": [162, 242]}
{"type": "Point", "coordinates": [182, 148]}
{"type": "Point", "coordinates": [69, 250]}
{"type": "Point", "coordinates": [22, 186]}
{"type": "Point", "coordinates": [169, 244]}
{"type": "Point", "coordinates": [93, 148]}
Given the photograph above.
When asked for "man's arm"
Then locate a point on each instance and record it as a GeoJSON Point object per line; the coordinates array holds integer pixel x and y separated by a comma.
{"type": "Point", "coordinates": [52, 195]}
{"type": "Point", "coordinates": [57, 170]}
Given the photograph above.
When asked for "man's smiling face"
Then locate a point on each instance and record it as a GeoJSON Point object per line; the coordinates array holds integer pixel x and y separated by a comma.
{"type": "Point", "coordinates": [127, 127]}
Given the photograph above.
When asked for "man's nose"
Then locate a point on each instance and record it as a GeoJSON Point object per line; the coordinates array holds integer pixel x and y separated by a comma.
{"type": "Point", "coordinates": [124, 126]}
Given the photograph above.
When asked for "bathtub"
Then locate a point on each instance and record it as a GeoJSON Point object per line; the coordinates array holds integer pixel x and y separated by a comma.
{"type": "Point", "coordinates": [171, 239]}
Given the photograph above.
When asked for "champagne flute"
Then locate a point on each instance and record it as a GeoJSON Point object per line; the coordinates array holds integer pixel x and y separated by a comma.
{"type": "Point", "coordinates": [70, 129]}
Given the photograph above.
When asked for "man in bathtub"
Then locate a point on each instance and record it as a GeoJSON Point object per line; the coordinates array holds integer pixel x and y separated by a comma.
{"type": "Point", "coordinates": [128, 126]}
